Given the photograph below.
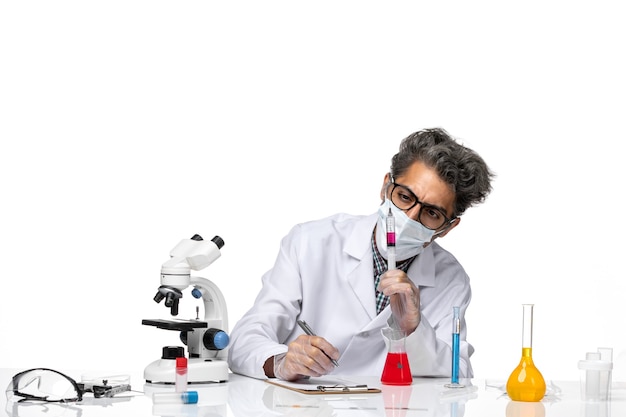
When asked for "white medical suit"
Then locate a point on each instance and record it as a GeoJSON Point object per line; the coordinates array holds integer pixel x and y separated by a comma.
{"type": "Point", "coordinates": [324, 275]}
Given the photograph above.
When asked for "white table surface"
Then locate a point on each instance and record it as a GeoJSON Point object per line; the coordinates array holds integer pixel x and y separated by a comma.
{"type": "Point", "coordinates": [243, 397]}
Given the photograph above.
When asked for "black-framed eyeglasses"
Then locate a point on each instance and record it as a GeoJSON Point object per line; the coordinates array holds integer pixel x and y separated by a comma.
{"type": "Point", "coordinates": [430, 216]}
{"type": "Point", "coordinates": [43, 384]}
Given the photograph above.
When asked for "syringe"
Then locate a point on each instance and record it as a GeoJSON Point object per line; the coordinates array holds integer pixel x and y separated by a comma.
{"type": "Point", "coordinates": [391, 241]}
{"type": "Point", "coordinates": [391, 258]}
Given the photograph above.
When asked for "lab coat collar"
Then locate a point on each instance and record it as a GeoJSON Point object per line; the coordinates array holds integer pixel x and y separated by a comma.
{"type": "Point", "coordinates": [360, 273]}
{"type": "Point", "coordinates": [422, 270]}
{"type": "Point", "coordinates": [358, 243]}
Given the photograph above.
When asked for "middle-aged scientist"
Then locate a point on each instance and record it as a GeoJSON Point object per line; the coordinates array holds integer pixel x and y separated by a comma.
{"type": "Point", "coordinates": [332, 273]}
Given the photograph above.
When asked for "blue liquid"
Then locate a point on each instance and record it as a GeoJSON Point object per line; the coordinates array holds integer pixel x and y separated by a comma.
{"type": "Point", "coordinates": [455, 358]}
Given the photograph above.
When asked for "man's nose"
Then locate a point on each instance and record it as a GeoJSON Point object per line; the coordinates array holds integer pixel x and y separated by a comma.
{"type": "Point", "coordinates": [414, 212]}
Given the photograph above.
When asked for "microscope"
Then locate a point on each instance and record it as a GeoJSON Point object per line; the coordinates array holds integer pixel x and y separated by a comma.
{"type": "Point", "coordinates": [206, 340]}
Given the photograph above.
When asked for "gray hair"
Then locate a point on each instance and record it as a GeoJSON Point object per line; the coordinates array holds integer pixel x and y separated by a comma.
{"type": "Point", "coordinates": [461, 168]}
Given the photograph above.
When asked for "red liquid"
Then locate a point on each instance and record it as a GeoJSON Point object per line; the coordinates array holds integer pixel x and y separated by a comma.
{"type": "Point", "coordinates": [397, 370]}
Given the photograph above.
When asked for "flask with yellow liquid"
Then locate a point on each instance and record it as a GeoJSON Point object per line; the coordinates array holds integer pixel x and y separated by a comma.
{"type": "Point", "coordinates": [526, 382]}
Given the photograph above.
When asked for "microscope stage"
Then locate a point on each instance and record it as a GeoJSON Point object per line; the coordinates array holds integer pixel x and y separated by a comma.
{"type": "Point", "coordinates": [181, 325]}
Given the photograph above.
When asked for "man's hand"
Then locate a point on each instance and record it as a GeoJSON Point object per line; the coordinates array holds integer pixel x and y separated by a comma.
{"type": "Point", "coordinates": [306, 356]}
{"type": "Point", "coordinates": [405, 299]}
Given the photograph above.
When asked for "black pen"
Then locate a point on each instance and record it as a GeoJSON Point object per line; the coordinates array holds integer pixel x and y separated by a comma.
{"type": "Point", "coordinates": [310, 332]}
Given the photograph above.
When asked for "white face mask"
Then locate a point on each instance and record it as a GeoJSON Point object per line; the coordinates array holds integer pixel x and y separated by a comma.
{"type": "Point", "coordinates": [411, 235]}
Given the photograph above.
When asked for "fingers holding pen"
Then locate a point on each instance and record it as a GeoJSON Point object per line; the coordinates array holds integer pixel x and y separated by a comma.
{"type": "Point", "coordinates": [311, 355]}
{"type": "Point", "coordinates": [320, 351]}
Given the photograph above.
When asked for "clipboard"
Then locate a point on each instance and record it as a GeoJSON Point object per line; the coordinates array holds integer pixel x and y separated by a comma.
{"type": "Point", "coordinates": [311, 387]}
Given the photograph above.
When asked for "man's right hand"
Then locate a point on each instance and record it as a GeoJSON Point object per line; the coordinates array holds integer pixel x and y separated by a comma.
{"type": "Point", "coordinates": [306, 356]}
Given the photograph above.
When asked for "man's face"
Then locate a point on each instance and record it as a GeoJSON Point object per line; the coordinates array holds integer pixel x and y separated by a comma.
{"type": "Point", "coordinates": [429, 189]}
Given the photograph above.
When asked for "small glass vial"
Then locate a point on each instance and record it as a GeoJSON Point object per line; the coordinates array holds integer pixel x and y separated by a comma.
{"type": "Point", "coordinates": [181, 374]}
{"type": "Point", "coordinates": [189, 397]}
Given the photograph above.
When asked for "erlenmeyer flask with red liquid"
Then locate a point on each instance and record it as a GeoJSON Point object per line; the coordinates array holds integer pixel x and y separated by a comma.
{"type": "Point", "coordinates": [397, 370]}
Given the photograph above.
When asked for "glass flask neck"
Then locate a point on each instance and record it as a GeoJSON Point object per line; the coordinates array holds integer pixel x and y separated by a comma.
{"type": "Point", "coordinates": [527, 354]}
{"type": "Point", "coordinates": [527, 326]}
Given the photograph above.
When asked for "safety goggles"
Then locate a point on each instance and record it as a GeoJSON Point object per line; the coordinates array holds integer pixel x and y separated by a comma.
{"type": "Point", "coordinates": [42, 384]}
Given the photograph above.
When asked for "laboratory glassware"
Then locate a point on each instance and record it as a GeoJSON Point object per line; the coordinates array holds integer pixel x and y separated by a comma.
{"type": "Point", "coordinates": [186, 397]}
{"type": "Point", "coordinates": [595, 377]}
{"type": "Point", "coordinates": [456, 354]}
{"type": "Point", "coordinates": [397, 370]}
{"type": "Point", "coordinates": [181, 374]}
{"type": "Point", "coordinates": [526, 382]}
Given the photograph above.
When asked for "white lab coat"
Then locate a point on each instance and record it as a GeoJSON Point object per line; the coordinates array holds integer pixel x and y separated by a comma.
{"type": "Point", "coordinates": [324, 275]}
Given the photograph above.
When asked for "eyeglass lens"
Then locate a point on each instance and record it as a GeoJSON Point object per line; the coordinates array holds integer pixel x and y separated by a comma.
{"type": "Point", "coordinates": [430, 216]}
{"type": "Point", "coordinates": [43, 385]}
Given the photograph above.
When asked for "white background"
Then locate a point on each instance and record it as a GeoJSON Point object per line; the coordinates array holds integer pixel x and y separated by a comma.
{"type": "Point", "coordinates": [127, 126]}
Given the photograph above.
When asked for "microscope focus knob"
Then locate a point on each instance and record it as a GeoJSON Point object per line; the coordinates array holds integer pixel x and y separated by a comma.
{"type": "Point", "coordinates": [215, 339]}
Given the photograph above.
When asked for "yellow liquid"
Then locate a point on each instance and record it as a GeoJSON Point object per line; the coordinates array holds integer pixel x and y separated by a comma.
{"type": "Point", "coordinates": [526, 382]}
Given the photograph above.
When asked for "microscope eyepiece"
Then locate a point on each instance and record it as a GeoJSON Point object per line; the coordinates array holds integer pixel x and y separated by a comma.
{"type": "Point", "coordinates": [218, 241]}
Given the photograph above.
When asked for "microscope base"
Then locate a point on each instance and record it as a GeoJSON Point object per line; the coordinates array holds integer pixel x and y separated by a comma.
{"type": "Point", "coordinates": [200, 371]}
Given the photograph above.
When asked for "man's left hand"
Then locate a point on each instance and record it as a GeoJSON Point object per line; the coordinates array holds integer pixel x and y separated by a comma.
{"type": "Point", "coordinates": [405, 299]}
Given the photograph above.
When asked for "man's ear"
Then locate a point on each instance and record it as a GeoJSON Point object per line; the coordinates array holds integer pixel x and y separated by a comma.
{"type": "Point", "coordinates": [451, 226]}
{"type": "Point", "coordinates": [384, 187]}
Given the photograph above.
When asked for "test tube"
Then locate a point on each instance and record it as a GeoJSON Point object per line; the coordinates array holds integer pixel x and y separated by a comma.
{"type": "Point", "coordinates": [188, 397]}
{"type": "Point", "coordinates": [456, 334]}
{"type": "Point", "coordinates": [181, 374]}
{"type": "Point", "coordinates": [606, 355]}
